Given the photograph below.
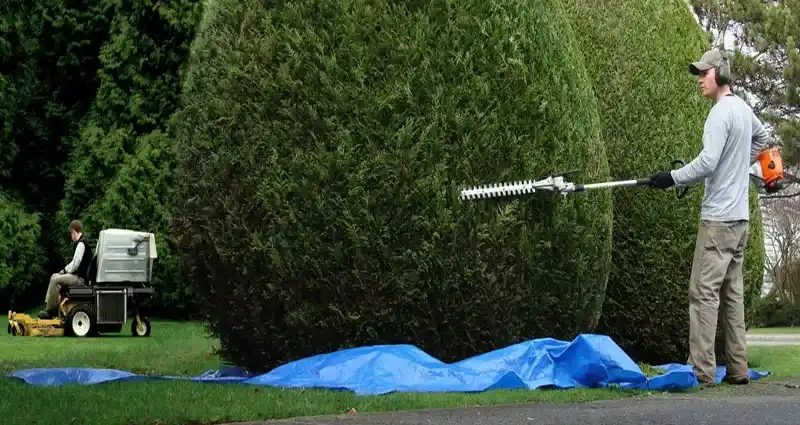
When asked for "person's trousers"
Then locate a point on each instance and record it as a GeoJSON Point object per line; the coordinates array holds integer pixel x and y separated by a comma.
{"type": "Point", "coordinates": [716, 293]}
{"type": "Point", "coordinates": [56, 282]}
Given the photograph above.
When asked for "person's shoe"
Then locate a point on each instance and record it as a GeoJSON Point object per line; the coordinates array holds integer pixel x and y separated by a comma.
{"type": "Point", "coordinates": [704, 385]}
{"type": "Point", "coordinates": [47, 314]}
{"type": "Point", "coordinates": [744, 380]}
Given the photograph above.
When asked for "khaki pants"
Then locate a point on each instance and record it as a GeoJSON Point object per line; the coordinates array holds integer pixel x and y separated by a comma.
{"type": "Point", "coordinates": [56, 282]}
{"type": "Point", "coordinates": [716, 291]}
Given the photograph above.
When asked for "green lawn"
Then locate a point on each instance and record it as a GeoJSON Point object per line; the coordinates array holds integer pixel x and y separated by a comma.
{"type": "Point", "coordinates": [782, 361]}
{"type": "Point", "coordinates": [182, 348]}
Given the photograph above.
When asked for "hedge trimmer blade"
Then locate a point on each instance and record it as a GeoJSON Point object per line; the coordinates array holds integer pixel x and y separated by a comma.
{"type": "Point", "coordinates": [554, 183]}
{"type": "Point", "coordinates": [498, 190]}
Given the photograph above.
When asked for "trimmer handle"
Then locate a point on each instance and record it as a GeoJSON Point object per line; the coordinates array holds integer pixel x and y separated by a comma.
{"type": "Point", "coordinates": [680, 192]}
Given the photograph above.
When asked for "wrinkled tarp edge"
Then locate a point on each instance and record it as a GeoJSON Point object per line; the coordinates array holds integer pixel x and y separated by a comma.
{"type": "Point", "coordinates": [589, 361]}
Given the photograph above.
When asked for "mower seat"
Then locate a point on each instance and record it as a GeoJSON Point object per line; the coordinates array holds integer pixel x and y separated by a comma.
{"type": "Point", "coordinates": [81, 291]}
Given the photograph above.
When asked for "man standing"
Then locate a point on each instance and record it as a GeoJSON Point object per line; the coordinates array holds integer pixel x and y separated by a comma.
{"type": "Point", "coordinates": [732, 137]}
{"type": "Point", "coordinates": [74, 273]}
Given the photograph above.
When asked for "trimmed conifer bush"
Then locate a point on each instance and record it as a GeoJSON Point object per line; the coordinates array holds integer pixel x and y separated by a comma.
{"type": "Point", "coordinates": [21, 257]}
{"type": "Point", "coordinates": [637, 53]}
{"type": "Point", "coordinates": [134, 198]}
{"type": "Point", "coordinates": [321, 146]}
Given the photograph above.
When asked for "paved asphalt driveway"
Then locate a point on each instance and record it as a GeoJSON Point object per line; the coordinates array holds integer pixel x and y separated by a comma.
{"type": "Point", "coordinates": [773, 339]}
{"type": "Point", "coordinates": [760, 403]}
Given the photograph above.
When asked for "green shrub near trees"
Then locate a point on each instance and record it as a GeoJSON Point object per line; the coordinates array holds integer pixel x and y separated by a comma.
{"type": "Point", "coordinates": [777, 311]}
{"type": "Point", "coordinates": [21, 256]}
{"type": "Point", "coordinates": [120, 164]}
{"type": "Point", "coordinates": [48, 52]}
{"type": "Point", "coordinates": [86, 89]}
{"type": "Point", "coordinates": [321, 147]}
{"type": "Point", "coordinates": [137, 197]}
{"type": "Point", "coordinates": [652, 113]}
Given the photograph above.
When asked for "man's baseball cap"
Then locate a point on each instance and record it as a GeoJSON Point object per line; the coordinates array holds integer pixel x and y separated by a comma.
{"type": "Point", "coordinates": [709, 60]}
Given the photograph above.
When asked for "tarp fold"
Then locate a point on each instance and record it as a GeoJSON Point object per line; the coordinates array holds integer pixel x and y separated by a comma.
{"type": "Point", "coordinates": [588, 361]}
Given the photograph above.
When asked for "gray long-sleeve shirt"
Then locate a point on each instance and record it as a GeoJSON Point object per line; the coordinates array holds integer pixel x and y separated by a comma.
{"type": "Point", "coordinates": [732, 137]}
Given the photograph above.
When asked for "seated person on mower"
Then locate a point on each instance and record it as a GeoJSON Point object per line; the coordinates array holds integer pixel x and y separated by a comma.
{"type": "Point", "coordinates": [74, 273]}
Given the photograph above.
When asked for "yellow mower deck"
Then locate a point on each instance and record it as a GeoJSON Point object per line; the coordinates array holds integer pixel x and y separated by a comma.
{"type": "Point", "coordinates": [21, 324]}
{"type": "Point", "coordinates": [24, 325]}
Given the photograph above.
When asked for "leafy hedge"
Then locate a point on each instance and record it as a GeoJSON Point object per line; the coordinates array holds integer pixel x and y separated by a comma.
{"type": "Point", "coordinates": [84, 88]}
{"type": "Point", "coordinates": [119, 173]}
{"type": "Point", "coordinates": [48, 51]}
{"type": "Point", "coordinates": [777, 311]}
{"type": "Point", "coordinates": [48, 68]}
{"type": "Point", "coordinates": [21, 257]}
{"type": "Point", "coordinates": [652, 113]}
{"type": "Point", "coordinates": [321, 145]}
{"type": "Point", "coordinates": [137, 198]}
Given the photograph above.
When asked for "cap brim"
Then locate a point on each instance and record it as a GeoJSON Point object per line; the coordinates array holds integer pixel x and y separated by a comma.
{"type": "Point", "coordinates": [696, 67]}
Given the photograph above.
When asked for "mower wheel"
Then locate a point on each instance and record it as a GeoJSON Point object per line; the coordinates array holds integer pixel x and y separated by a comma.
{"type": "Point", "coordinates": [81, 321]}
{"type": "Point", "coordinates": [140, 327]}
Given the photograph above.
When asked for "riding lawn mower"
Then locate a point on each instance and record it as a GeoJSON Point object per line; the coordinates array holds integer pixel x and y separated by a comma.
{"type": "Point", "coordinates": [120, 276]}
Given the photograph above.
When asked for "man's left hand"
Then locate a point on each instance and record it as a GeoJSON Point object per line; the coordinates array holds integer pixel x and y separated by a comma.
{"type": "Point", "coordinates": [662, 180]}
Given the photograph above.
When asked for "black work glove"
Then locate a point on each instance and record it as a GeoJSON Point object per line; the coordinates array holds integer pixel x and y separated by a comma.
{"type": "Point", "coordinates": [662, 180]}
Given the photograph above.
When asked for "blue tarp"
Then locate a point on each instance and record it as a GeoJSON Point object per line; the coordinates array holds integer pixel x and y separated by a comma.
{"type": "Point", "coordinates": [587, 361]}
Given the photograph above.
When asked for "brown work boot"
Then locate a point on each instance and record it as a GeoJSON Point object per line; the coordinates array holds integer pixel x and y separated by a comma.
{"type": "Point", "coordinates": [744, 380]}
{"type": "Point", "coordinates": [707, 385]}
{"type": "Point", "coordinates": [47, 314]}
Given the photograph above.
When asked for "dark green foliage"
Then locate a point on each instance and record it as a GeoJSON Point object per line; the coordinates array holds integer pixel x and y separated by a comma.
{"type": "Point", "coordinates": [320, 149]}
{"type": "Point", "coordinates": [48, 64]}
{"type": "Point", "coordinates": [82, 86]}
{"type": "Point", "coordinates": [21, 256]}
{"type": "Point", "coordinates": [652, 113]}
{"type": "Point", "coordinates": [777, 311]}
{"type": "Point", "coordinates": [140, 83]}
{"type": "Point", "coordinates": [49, 60]}
{"type": "Point", "coordinates": [135, 199]}
{"type": "Point", "coordinates": [18, 48]}
{"type": "Point", "coordinates": [118, 173]}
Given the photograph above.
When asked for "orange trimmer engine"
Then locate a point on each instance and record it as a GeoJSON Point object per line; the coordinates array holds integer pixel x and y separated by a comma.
{"type": "Point", "coordinates": [768, 167]}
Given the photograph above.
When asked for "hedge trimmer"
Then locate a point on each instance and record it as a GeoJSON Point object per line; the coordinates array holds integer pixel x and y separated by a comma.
{"type": "Point", "coordinates": [555, 183]}
{"type": "Point", "coordinates": [767, 170]}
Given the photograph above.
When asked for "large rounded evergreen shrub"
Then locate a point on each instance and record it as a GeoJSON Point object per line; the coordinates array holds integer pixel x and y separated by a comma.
{"type": "Point", "coordinates": [321, 147]}
{"type": "Point", "coordinates": [637, 53]}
